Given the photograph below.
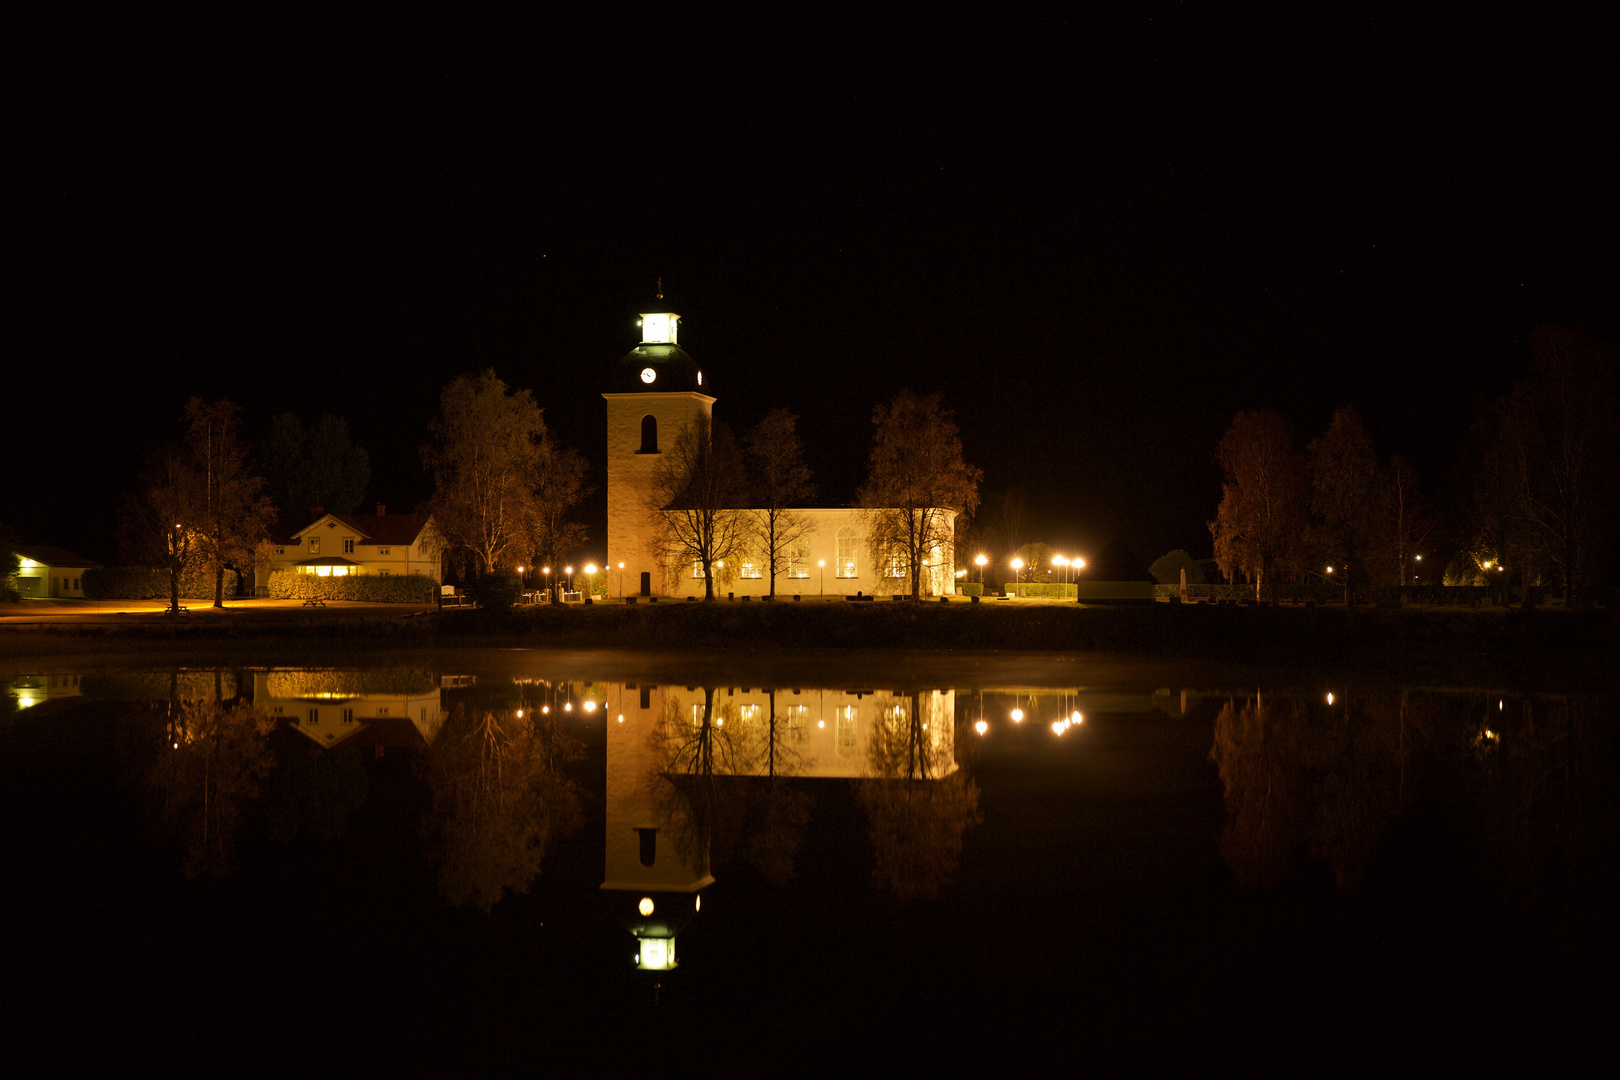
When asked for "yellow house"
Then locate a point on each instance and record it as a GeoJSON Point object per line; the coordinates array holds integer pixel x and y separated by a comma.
{"type": "Point", "coordinates": [334, 545]}
{"type": "Point", "coordinates": [51, 572]}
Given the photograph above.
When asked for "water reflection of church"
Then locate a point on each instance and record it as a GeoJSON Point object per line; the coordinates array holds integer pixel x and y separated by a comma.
{"type": "Point", "coordinates": [667, 746]}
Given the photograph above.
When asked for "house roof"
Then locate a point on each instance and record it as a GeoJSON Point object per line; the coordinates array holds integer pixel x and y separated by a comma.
{"type": "Point", "coordinates": [47, 555]}
{"type": "Point", "coordinates": [375, 529]}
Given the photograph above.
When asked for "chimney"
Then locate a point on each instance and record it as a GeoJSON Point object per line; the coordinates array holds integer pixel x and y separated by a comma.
{"type": "Point", "coordinates": [315, 512]}
{"type": "Point", "coordinates": [382, 510]}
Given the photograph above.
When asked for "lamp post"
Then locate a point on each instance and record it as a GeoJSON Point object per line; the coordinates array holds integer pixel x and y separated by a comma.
{"type": "Point", "coordinates": [1058, 560]}
{"type": "Point", "coordinates": [546, 570]}
{"type": "Point", "coordinates": [621, 581]}
{"type": "Point", "coordinates": [590, 572]}
{"type": "Point", "coordinates": [980, 561]}
{"type": "Point", "coordinates": [569, 570]}
{"type": "Point", "coordinates": [1017, 565]}
{"type": "Point", "coordinates": [823, 564]}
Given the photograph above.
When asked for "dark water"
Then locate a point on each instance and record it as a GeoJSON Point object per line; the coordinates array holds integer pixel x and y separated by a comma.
{"type": "Point", "coordinates": [444, 866]}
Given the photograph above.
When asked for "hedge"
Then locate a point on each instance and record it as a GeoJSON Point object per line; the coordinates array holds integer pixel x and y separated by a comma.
{"type": "Point", "coordinates": [1039, 588]}
{"type": "Point", "coordinates": [144, 583]}
{"type": "Point", "coordinates": [970, 588]}
{"type": "Point", "coordinates": [373, 588]}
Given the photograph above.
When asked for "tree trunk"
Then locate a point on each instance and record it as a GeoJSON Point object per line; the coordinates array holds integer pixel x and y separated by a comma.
{"type": "Point", "coordinates": [174, 590]}
{"type": "Point", "coordinates": [219, 586]}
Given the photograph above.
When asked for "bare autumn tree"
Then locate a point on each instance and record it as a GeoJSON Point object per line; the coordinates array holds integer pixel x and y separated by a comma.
{"type": "Point", "coordinates": [318, 465]}
{"type": "Point", "coordinates": [156, 526]}
{"type": "Point", "coordinates": [916, 484]}
{"type": "Point", "coordinates": [1564, 416]}
{"type": "Point", "coordinates": [233, 515]}
{"type": "Point", "coordinates": [695, 501]}
{"type": "Point", "coordinates": [1344, 477]}
{"type": "Point", "coordinates": [559, 487]}
{"type": "Point", "coordinates": [213, 757]}
{"type": "Point", "coordinates": [1405, 516]}
{"type": "Point", "coordinates": [779, 481]}
{"type": "Point", "coordinates": [484, 455]}
{"type": "Point", "coordinates": [1260, 524]}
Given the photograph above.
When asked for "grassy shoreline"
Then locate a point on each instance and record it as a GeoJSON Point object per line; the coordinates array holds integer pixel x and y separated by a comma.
{"type": "Point", "coordinates": [1570, 647]}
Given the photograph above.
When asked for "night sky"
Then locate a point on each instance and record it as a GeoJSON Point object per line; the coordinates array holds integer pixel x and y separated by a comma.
{"type": "Point", "coordinates": [1098, 235]}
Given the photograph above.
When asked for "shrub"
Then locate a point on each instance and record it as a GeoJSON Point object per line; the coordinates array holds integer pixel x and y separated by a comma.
{"type": "Point", "coordinates": [374, 588]}
{"type": "Point", "coordinates": [1040, 588]}
{"type": "Point", "coordinates": [970, 588]}
{"type": "Point", "coordinates": [145, 583]}
{"type": "Point", "coordinates": [497, 591]}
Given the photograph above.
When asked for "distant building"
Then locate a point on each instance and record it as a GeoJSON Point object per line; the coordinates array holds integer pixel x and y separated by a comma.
{"type": "Point", "coordinates": [658, 395]}
{"type": "Point", "coordinates": [335, 545]}
{"type": "Point", "coordinates": [51, 571]}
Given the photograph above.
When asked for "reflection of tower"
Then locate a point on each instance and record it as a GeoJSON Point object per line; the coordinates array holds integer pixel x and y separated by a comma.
{"type": "Point", "coordinates": [651, 887]}
{"type": "Point", "coordinates": [656, 398]}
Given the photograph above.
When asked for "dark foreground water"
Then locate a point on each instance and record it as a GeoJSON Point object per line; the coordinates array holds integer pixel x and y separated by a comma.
{"type": "Point", "coordinates": [544, 864]}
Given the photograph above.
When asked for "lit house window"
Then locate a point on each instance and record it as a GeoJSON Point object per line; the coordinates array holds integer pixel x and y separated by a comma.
{"type": "Point", "coordinates": [798, 564]}
{"type": "Point", "coordinates": [895, 565]}
{"type": "Point", "coordinates": [845, 718]}
{"type": "Point", "coordinates": [697, 716]}
{"type": "Point", "coordinates": [749, 567]}
{"type": "Point", "coordinates": [314, 545]}
{"type": "Point", "coordinates": [894, 717]}
{"type": "Point", "coordinates": [846, 553]}
{"type": "Point", "coordinates": [798, 719]}
{"type": "Point", "coordinates": [748, 715]}
{"type": "Point", "coordinates": [697, 568]}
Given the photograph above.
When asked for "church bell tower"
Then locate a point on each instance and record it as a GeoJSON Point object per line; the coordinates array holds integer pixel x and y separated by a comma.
{"type": "Point", "coordinates": [657, 396]}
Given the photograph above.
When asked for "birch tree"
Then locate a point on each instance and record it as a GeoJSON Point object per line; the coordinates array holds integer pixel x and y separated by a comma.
{"type": "Point", "coordinates": [695, 502]}
{"type": "Point", "coordinates": [917, 483]}
{"type": "Point", "coordinates": [779, 481]}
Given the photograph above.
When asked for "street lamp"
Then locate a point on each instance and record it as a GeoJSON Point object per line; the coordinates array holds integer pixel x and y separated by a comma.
{"type": "Point", "coordinates": [980, 561]}
{"type": "Point", "coordinates": [823, 564]}
{"type": "Point", "coordinates": [1058, 560]}
{"type": "Point", "coordinates": [590, 572]}
{"type": "Point", "coordinates": [621, 581]}
{"type": "Point", "coordinates": [569, 570]}
{"type": "Point", "coordinates": [1017, 565]}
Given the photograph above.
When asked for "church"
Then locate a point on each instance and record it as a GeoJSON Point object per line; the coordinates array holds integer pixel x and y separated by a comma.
{"type": "Point", "coordinates": [658, 397]}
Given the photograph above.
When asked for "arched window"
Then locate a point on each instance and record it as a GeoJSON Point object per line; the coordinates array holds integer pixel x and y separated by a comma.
{"type": "Point", "coordinates": [845, 567]}
{"type": "Point", "coordinates": [649, 435]}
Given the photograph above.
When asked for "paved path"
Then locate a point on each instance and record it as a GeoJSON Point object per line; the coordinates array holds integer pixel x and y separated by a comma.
{"type": "Point", "coordinates": [123, 612]}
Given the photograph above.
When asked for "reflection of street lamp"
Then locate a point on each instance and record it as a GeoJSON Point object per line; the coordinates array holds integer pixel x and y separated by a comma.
{"type": "Point", "coordinates": [823, 564]}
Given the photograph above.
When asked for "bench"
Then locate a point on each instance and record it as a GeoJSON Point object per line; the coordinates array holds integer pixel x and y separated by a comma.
{"type": "Point", "coordinates": [449, 594]}
{"type": "Point", "coordinates": [314, 601]}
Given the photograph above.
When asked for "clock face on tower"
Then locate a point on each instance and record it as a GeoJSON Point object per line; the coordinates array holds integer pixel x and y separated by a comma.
{"type": "Point", "coordinates": [648, 374]}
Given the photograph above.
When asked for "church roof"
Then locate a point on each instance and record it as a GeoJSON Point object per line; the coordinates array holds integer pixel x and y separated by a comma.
{"type": "Point", "coordinates": [672, 366]}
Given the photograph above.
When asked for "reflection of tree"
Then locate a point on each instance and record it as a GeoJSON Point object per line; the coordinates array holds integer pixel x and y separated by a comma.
{"type": "Point", "coordinates": [313, 792]}
{"type": "Point", "coordinates": [725, 785]}
{"type": "Point", "coordinates": [915, 815]}
{"type": "Point", "coordinates": [217, 754]}
{"type": "Point", "coordinates": [1325, 782]}
{"type": "Point", "coordinates": [499, 798]}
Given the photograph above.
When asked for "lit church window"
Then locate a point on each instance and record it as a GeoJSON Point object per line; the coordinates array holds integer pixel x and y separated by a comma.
{"type": "Point", "coordinates": [846, 552]}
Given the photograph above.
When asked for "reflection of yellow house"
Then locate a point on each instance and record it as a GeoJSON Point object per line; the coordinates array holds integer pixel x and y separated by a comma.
{"type": "Point", "coordinates": [334, 708]}
{"type": "Point", "coordinates": [334, 545]}
{"type": "Point", "coordinates": [31, 690]}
